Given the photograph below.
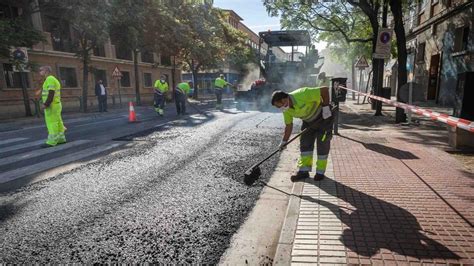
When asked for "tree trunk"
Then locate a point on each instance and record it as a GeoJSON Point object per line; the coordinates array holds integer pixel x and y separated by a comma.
{"type": "Point", "coordinates": [196, 90]}
{"type": "Point", "coordinates": [137, 78]}
{"type": "Point", "coordinates": [26, 99]}
{"type": "Point", "coordinates": [396, 8]}
{"type": "Point", "coordinates": [85, 83]}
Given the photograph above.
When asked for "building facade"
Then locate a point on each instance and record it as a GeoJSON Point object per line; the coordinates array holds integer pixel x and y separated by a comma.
{"type": "Point", "coordinates": [440, 43]}
{"type": "Point", "coordinates": [57, 52]}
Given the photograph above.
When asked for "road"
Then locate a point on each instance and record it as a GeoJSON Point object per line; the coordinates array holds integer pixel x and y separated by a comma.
{"type": "Point", "coordinates": [171, 192]}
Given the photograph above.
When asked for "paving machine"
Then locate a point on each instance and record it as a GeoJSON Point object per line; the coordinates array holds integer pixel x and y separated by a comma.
{"type": "Point", "coordinates": [298, 70]}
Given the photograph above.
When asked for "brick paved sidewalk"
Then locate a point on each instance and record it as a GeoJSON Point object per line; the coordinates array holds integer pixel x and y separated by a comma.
{"type": "Point", "coordinates": [389, 199]}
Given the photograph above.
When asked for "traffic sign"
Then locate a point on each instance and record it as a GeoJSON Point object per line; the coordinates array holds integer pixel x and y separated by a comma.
{"type": "Point", "coordinates": [117, 73]}
{"type": "Point", "coordinates": [362, 63]}
{"type": "Point", "coordinates": [20, 59]}
{"type": "Point", "coordinates": [383, 47]}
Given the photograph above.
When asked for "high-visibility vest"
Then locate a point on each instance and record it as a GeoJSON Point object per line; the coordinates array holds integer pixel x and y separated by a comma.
{"type": "Point", "coordinates": [161, 87]}
{"type": "Point", "coordinates": [306, 105]}
{"type": "Point", "coordinates": [184, 87]}
{"type": "Point", "coordinates": [51, 84]}
{"type": "Point", "coordinates": [220, 83]}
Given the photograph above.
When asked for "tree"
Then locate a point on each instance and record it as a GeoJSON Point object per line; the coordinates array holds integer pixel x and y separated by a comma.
{"type": "Point", "coordinates": [18, 32]}
{"type": "Point", "coordinates": [209, 41]}
{"type": "Point", "coordinates": [88, 20]}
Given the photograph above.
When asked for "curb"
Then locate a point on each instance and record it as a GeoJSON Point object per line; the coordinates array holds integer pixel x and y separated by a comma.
{"type": "Point", "coordinates": [287, 236]}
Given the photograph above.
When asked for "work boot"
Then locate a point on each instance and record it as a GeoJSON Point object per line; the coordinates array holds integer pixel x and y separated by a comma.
{"type": "Point", "coordinates": [299, 176]}
{"type": "Point", "coordinates": [44, 145]}
{"type": "Point", "coordinates": [319, 177]}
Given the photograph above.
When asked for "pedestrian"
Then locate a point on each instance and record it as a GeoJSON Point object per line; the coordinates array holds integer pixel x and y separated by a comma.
{"type": "Point", "coordinates": [219, 85]}
{"type": "Point", "coordinates": [101, 93]}
{"type": "Point", "coordinates": [180, 96]}
{"type": "Point", "coordinates": [161, 87]}
{"type": "Point", "coordinates": [51, 98]}
{"type": "Point", "coordinates": [310, 104]}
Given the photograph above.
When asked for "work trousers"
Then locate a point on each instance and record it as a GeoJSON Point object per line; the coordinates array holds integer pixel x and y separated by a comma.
{"type": "Point", "coordinates": [180, 100]}
{"type": "Point", "coordinates": [102, 100]}
{"type": "Point", "coordinates": [321, 133]}
{"type": "Point", "coordinates": [218, 93]}
{"type": "Point", "coordinates": [159, 102]}
{"type": "Point", "coordinates": [54, 123]}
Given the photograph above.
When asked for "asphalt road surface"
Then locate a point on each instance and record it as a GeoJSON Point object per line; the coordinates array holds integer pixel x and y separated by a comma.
{"type": "Point", "coordinates": [172, 193]}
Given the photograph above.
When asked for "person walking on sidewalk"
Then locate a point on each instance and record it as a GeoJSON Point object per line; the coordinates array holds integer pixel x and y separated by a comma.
{"type": "Point", "coordinates": [180, 96]}
{"type": "Point", "coordinates": [101, 93]}
{"type": "Point", "coordinates": [161, 87]}
{"type": "Point", "coordinates": [51, 98]}
{"type": "Point", "coordinates": [312, 106]}
{"type": "Point", "coordinates": [219, 85]}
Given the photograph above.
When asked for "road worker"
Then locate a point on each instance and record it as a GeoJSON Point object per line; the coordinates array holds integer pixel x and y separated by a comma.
{"type": "Point", "coordinates": [180, 96]}
{"type": "Point", "coordinates": [219, 85]}
{"type": "Point", "coordinates": [51, 98]}
{"type": "Point", "coordinates": [161, 87]}
{"type": "Point", "coordinates": [311, 104]}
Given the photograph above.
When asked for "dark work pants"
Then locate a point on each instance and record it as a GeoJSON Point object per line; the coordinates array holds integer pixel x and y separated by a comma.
{"type": "Point", "coordinates": [102, 99]}
{"type": "Point", "coordinates": [159, 101]}
{"type": "Point", "coordinates": [218, 96]}
{"type": "Point", "coordinates": [321, 133]}
{"type": "Point", "coordinates": [180, 100]}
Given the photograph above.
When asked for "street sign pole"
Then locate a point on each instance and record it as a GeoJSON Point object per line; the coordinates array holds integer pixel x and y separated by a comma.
{"type": "Point", "coordinates": [120, 94]}
{"type": "Point", "coordinates": [118, 75]}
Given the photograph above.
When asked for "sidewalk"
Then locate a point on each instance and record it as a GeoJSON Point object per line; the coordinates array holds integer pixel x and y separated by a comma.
{"type": "Point", "coordinates": [392, 196]}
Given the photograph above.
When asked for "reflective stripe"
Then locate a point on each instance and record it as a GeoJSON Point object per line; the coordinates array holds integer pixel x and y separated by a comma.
{"type": "Point", "coordinates": [306, 153]}
{"type": "Point", "coordinates": [305, 169]}
{"type": "Point", "coordinates": [323, 157]}
{"type": "Point", "coordinates": [313, 116]}
{"type": "Point", "coordinates": [320, 171]}
{"type": "Point", "coordinates": [324, 137]}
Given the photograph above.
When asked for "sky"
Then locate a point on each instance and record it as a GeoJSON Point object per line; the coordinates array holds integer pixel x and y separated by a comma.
{"type": "Point", "coordinates": [255, 15]}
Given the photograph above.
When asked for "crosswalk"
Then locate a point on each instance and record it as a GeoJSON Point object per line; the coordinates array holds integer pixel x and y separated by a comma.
{"type": "Point", "coordinates": [23, 157]}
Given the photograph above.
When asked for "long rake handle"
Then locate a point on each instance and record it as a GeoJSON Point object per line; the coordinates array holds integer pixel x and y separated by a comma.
{"type": "Point", "coordinates": [277, 150]}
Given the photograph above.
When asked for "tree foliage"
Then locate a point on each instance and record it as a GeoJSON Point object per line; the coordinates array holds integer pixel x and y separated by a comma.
{"type": "Point", "coordinates": [17, 33]}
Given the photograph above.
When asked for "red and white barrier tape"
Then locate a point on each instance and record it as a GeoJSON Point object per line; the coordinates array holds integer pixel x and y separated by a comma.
{"type": "Point", "coordinates": [444, 118]}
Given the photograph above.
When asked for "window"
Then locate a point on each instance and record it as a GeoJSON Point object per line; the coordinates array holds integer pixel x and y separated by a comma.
{"type": "Point", "coordinates": [125, 81]}
{"type": "Point", "coordinates": [147, 80]}
{"type": "Point", "coordinates": [68, 77]}
{"type": "Point", "coordinates": [100, 74]}
{"type": "Point", "coordinates": [7, 11]}
{"type": "Point", "coordinates": [60, 34]}
{"type": "Point", "coordinates": [461, 36]}
{"type": "Point", "coordinates": [166, 60]}
{"type": "Point", "coordinates": [147, 57]}
{"type": "Point", "coordinates": [420, 53]}
{"type": "Point", "coordinates": [13, 79]}
{"type": "Point", "coordinates": [122, 52]}
{"type": "Point", "coordinates": [99, 50]}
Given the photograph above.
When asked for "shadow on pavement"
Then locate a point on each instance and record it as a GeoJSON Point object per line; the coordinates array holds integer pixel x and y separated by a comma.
{"type": "Point", "coordinates": [385, 150]}
{"type": "Point", "coordinates": [376, 224]}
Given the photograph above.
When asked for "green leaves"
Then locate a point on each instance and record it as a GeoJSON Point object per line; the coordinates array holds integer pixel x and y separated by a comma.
{"type": "Point", "coordinates": [17, 33]}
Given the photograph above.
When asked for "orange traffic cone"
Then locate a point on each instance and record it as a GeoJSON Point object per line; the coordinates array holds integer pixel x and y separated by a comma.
{"type": "Point", "coordinates": [132, 117]}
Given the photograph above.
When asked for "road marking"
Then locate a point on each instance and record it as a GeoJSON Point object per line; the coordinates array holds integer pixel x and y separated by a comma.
{"type": "Point", "coordinates": [37, 153]}
{"type": "Point", "coordinates": [43, 166]}
{"type": "Point", "coordinates": [11, 140]}
{"type": "Point", "coordinates": [22, 146]}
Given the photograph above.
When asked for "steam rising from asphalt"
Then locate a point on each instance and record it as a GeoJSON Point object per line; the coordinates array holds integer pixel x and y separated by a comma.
{"type": "Point", "coordinates": [253, 73]}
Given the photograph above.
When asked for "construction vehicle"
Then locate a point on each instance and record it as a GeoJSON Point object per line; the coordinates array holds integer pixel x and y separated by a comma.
{"type": "Point", "coordinates": [300, 69]}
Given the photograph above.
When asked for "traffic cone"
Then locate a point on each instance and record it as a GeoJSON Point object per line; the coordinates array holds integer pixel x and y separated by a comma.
{"type": "Point", "coordinates": [132, 117]}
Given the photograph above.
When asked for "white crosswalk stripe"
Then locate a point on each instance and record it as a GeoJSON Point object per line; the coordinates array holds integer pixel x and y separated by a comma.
{"type": "Point", "coordinates": [49, 164]}
{"type": "Point", "coordinates": [41, 152]}
{"type": "Point", "coordinates": [2, 142]}
{"type": "Point", "coordinates": [22, 146]}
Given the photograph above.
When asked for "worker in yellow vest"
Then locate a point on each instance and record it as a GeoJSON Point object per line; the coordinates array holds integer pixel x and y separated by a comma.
{"type": "Point", "coordinates": [161, 87]}
{"type": "Point", "coordinates": [310, 104]}
{"type": "Point", "coordinates": [51, 98]}
{"type": "Point", "coordinates": [180, 96]}
{"type": "Point", "coordinates": [219, 85]}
